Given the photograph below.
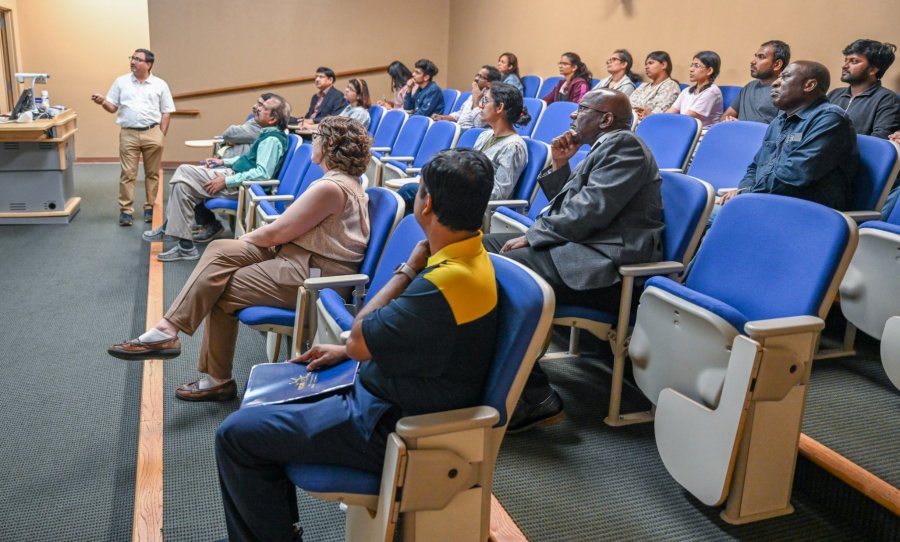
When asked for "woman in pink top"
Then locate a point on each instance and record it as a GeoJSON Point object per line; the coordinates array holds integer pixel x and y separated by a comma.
{"type": "Point", "coordinates": [576, 80]}
{"type": "Point", "coordinates": [400, 75]}
{"type": "Point", "coordinates": [703, 100]}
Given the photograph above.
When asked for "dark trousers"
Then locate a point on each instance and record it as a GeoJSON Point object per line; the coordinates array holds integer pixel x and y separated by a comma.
{"type": "Point", "coordinates": [202, 215]}
{"type": "Point", "coordinates": [537, 387]}
{"type": "Point", "coordinates": [254, 444]}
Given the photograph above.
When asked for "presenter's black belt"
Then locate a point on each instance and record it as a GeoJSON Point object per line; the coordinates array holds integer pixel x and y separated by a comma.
{"type": "Point", "coordinates": [144, 128]}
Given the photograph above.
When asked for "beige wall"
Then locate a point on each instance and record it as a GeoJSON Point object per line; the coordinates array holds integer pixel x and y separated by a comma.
{"type": "Point", "coordinates": [815, 29]}
{"type": "Point", "coordinates": [83, 45]}
{"type": "Point", "coordinates": [203, 44]}
{"type": "Point", "coordinates": [286, 39]}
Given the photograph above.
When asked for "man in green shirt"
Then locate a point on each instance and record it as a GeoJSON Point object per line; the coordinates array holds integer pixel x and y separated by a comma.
{"type": "Point", "coordinates": [221, 179]}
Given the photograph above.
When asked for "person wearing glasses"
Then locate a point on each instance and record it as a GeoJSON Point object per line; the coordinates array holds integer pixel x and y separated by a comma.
{"type": "Point", "coordinates": [325, 230]}
{"type": "Point", "coordinates": [576, 80]}
{"type": "Point", "coordinates": [703, 100]}
{"type": "Point", "coordinates": [620, 77]}
{"type": "Point", "coordinates": [327, 100]}
{"type": "Point", "coordinates": [606, 213]}
{"type": "Point", "coordinates": [143, 106]}
{"type": "Point", "coordinates": [220, 178]}
{"type": "Point", "coordinates": [358, 103]}
{"type": "Point", "coordinates": [469, 115]}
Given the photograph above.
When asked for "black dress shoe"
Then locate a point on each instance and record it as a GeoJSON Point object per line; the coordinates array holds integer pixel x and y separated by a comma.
{"type": "Point", "coordinates": [125, 219]}
{"type": "Point", "coordinates": [148, 215]}
{"type": "Point", "coordinates": [528, 415]}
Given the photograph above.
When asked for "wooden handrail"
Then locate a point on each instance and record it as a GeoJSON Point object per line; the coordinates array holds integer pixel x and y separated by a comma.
{"type": "Point", "coordinates": [851, 474]}
{"type": "Point", "coordinates": [186, 113]}
{"type": "Point", "coordinates": [269, 84]}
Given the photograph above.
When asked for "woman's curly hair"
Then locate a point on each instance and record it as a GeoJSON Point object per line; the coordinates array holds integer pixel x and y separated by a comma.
{"type": "Point", "coordinates": [345, 145]}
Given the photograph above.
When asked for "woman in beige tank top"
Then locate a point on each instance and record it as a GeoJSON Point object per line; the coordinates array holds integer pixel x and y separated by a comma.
{"type": "Point", "coordinates": [326, 229]}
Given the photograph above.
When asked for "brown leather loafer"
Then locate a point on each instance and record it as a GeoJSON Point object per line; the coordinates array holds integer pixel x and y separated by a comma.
{"type": "Point", "coordinates": [137, 350]}
{"type": "Point", "coordinates": [192, 392]}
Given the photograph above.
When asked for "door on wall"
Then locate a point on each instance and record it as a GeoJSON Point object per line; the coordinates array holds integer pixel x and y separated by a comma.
{"type": "Point", "coordinates": [7, 62]}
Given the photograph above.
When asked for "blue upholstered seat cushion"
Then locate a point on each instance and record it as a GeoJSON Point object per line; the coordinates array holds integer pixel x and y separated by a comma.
{"type": "Point", "coordinates": [722, 310]}
{"type": "Point", "coordinates": [253, 316]}
{"type": "Point", "coordinates": [572, 311]}
{"type": "Point", "coordinates": [883, 226]}
{"type": "Point", "coordinates": [221, 203]}
{"type": "Point", "coordinates": [331, 479]}
{"type": "Point", "coordinates": [522, 219]}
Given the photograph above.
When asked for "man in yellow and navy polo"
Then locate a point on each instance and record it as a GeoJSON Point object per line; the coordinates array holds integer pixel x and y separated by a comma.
{"type": "Point", "coordinates": [428, 336]}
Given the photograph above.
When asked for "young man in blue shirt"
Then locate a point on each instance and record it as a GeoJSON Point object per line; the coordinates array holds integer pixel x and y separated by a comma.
{"type": "Point", "coordinates": [425, 97]}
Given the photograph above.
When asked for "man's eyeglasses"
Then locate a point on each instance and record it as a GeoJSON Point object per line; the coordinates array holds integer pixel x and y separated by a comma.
{"type": "Point", "coordinates": [582, 108]}
{"type": "Point", "coordinates": [614, 59]}
{"type": "Point", "coordinates": [137, 59]}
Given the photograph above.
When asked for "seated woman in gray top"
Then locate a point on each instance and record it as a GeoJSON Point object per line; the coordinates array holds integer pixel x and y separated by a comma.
{"type": "Point", "coordinates": [508, 64]}
{"type": "Point", "coordinates": [358, 102]}
{"type": "Point", "coordinates": [620, 77]}
{"type": "Point", "coordinates": [500, 143]}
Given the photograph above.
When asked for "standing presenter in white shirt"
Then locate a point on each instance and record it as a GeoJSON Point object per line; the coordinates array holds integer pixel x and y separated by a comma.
{"type": "Point", "coordinates": [143, 105]}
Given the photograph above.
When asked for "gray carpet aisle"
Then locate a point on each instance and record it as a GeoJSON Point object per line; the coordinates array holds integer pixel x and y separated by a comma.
{"type": "Point", "coordinates": [193, 504]}
{"type": "Point", "coordinates": [855, 410]}
{"type": "Point", "coordinates": [68, 411]}
{"type": "Point", "coordinates": [584, 481]}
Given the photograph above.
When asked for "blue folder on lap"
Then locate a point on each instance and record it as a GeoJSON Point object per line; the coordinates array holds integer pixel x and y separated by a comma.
{"type": "Point", "coordinates": [275, 383]}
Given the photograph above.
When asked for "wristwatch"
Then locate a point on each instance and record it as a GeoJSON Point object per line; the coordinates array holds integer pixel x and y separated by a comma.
{"type": "Point", "coordinates": [406, 270]}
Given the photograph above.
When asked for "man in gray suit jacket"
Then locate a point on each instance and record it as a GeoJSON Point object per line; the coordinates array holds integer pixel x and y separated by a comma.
{"type": "Point", "coordinates": [606, 213]}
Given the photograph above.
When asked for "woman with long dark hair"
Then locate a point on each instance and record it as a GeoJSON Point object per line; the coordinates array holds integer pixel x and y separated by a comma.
{"type": "Point", "coordinates": [658, 95]}
{"type": "Point", "coordinates": [508, 64]}
{"type": "Point", "coordinates": [576, 80]}
{"type": "Point", "coordinates": [702, 100]}
{"type": "Point", "coordinates": [620, 77]}
{"type": "Point", "coordinates": [400, 76]}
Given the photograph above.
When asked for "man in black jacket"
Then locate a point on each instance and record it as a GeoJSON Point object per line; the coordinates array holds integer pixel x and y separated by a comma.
{"type": "Point", "coordinates": [327, 101]}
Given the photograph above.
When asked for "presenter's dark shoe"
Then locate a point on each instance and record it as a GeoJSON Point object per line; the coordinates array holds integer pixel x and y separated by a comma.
{"type": "Point", "coordinates": [137, 350]}
{"type": "Point", "coordinates": [177, 253]}
{"type": "Point", "coordinates": [208, 233]}
{"type": "Point", "coordinates": [148, 215]}
{"type": "Point", "coordinates": [193, 392]}
{"type": "Point", "coordinates": [528, 415]}
{"type": "Point", "coordinates": [126, 219]}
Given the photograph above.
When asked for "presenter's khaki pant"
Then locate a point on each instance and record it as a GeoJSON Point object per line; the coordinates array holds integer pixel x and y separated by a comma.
{"type": "Point", "coordinates": [134, 144]}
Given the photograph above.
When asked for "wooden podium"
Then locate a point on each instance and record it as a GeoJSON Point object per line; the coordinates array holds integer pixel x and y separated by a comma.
{"type": "Point", "coordinates": [36, 175]}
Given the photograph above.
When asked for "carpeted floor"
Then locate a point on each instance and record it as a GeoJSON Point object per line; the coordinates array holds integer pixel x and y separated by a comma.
{"type": "Point", "coordinates": [68, 411]}
{"type": "Point", "coordinates": [69, 415]}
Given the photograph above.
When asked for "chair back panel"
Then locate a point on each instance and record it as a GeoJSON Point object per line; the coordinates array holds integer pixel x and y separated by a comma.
{"type": "Point", "coordinates": [450, 96]}
{"type": "Point", "coordinates": [537, 161]}
{"type": "Point", "coordinates": [520, 305]}
{"type": "Point", "coordinates": [729, 94]}
{"type": "Point", "coordinates": [547, 85]}
{"type": "Point", "coordinates": [670, 137]}
{"type": "Point", "coordinates": [555, 120]}
{"type": "Point", "coordinates": [383, 217]}
{"type": "Point", "coordinates": [375, 114]}
{"type": "Point", "coordinates": [401, 244]}
{"type": "Point", "coordinates": [469, 137]}
{"type": "Point", "coordinates": [686, 202]}
{"type": "Point", "coordinates": [726, 151]}
{"type": "Point", "coordinates": [440, 135]}
{"type": "Point", "coordinates": [389, 127]}
{"type": "Point", "coordinates": [535, 109]}
{"type": "Point", "coordinates": [531, 84]}
{"type": "Point", "coordinates": [293, 142]}
{"type": "Point", "coordinates": [877, 168]}
{"type": "Point", "coordinates": [771, 256]}
{"type": "Point", "coordinates": [292, 179]}
{"type": "Point", "coordinates": [460, 101]}
{"type": "Point", "coordinates": [411, 135]}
